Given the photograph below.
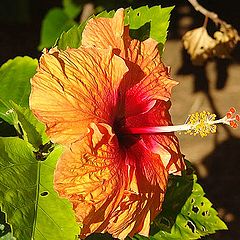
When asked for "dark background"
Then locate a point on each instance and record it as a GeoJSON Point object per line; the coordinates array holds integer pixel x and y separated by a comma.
{"type": "Point", "coordinates": [20, 24]}
{"type": "Point", "coordinates": [20, 20]}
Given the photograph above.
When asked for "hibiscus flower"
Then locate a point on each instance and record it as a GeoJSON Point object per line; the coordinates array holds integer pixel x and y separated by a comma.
{"type": "Point", "coordinates": [103, 102]}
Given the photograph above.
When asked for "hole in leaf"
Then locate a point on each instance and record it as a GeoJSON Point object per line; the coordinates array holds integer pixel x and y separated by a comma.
{"type": "Point", "coordinates": [43, 194]}
{"type": "Point", "coordinates": [138, 14]}
{"type": "Point", "coordinates": [202, 203]}
{"type": "Point", "coordinates": [191, 226]}
{"type": "Point", "coordinates": [195, 209]}
{"type": "Point", "coordinates": [4, 227]}
{"type": "Point", "coordinates": [205, 213]}
{"type": "Point", "coordinates": [203, 229]}
{"type": "Point", "coordinates": [192, 200]}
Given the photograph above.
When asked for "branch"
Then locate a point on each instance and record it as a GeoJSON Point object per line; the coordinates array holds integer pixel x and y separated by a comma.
{"type": "Point", "coordinates": [212, 15]}
{"type": "Point", "coordinates": [88, 10]}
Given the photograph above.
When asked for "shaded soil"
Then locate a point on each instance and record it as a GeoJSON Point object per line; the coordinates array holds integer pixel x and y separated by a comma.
{"type": "Point", "coordinates": [216, 157]}
{"type": "Point", "coordinates": [214, 87]}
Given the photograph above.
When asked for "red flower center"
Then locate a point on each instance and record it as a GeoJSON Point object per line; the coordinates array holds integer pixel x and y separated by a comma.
{"type": "Point", "coordinates": [125, 140]}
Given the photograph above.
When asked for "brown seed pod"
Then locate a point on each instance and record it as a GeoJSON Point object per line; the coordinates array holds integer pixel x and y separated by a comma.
{"type": "Point", "coordinates": [226, 39]}
{"type": "Point", "coordinates": [199, 45]}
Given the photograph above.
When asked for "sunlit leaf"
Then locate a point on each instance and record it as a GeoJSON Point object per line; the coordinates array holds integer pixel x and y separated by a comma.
{"type": "Point", "coordinates": [8, 236]}
{"type": "Point", "coordinates": [178, 191]}
{"type": "Point", "coordinates": [7, 113]}
{"type": "Point", "coordinates": [33, 131]}
{"type": "Point", "coordinates": [105, 14]}
{"type": "Point", "coordinates": [32, 207]}
{"type": "Point", "coordinates": [15, 77]}
{"type": "Point", "coordinates": [55, 217]}
{"type": "Point", "coordinates": [144, 22]}
{"type": "Point", "coordinates": [55, 22]}
{"type": "Point", "coordinates": [196, 219]}
{"type": "Point", "coordinates": [148, 22]}
{"type": "Point", "coordinates": [72, 38]}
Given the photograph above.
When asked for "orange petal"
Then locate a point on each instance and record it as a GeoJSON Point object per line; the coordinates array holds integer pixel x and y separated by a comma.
{"type": "Point", "coordinates": [112, 190]}
{"type": "Point", "coordinates": [143, 58]}
{"type": "Point", "coordinates": [114, 186]}
{"type": "Point", "coordinates": [144, 62]}
{"type": "Point", "coordinates": [75, 87]}
{"type": "Point", "coordinates": [87, 175]}
{"type": "Point", "coordinates": [105, 32]}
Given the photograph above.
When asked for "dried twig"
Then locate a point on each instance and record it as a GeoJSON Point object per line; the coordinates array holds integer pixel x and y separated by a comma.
{"type": "Point", "coordinates": [88, 10]}
{"type": "Point", "coordinates": [212, 15]}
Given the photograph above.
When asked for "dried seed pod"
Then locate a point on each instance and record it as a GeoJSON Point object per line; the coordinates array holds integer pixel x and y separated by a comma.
{"type": "Point", "coordinates": [226, 40]}
{"type": "Point", "coordinates": [199, 45]}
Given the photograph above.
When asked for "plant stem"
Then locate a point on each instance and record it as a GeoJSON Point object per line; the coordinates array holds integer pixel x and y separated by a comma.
{"type": "Point", "coordinates": [212, 15]}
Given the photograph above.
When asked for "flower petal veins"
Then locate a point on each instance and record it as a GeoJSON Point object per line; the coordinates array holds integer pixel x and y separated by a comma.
{"type": "Point", "coordinates": [86, 97]}
{"type": "Point", "coordinates": [75, 87]}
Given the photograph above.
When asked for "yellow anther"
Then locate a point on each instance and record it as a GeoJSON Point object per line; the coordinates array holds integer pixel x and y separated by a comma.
{"type": "Point", "coordinates": [201, 123]}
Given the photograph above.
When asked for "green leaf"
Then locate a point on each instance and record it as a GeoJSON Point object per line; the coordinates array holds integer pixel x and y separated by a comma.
{"type": "Point", "coordinates": [72, 38]}
{"type": "Point", "coordinates": [15, 77]}
{"type": "Point", "coordinates": [148, 22]}
{"type": "Point", "coordinates": [55, 22]}
{"type": "Point", "coordinates": [7, 113]}
{"type": "Point", "coordinates": [8, 236]}
{"type": "Point", "coordinates": [178, 191]}
{"type": "Point", "coordinates": [32, 207]}
{"type": "Point", "coordinates": [196, 219]}
{"type": "Point", "coordinates": [144, 22]}
{"type": "Point", "coordinates": [105, 14]}
{"type": "Point", "coordinates": [55, 217]}
{"type": "Point", "coordinates": [72, 8]}
{"type": "Point", "coordinates": [160, 23]}
{"type": "Point", "coordinates": [32, 130]}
